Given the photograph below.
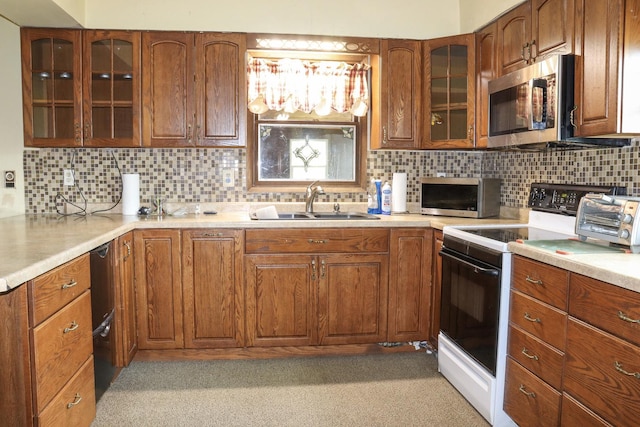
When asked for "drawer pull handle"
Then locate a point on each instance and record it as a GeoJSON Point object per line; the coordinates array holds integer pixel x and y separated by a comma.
{"type": "Point", "coordinates": [323, 268]}
{"type": "Point", "coordinates": [626, 318]}
{"type": "Point", "coordinates": [76, 400]}
{"type": "Point", "coordinates": [531, 319]}
{"type": "Point", "coordinates": [313, 269]}
{"type": "Point", "coordinates": [128, 246]}
{"type": "Point", "coordinates": [220, 234]}
{"type": "Point", "coordinates": [534, 281]}
{"type": "Point", "coordinates": [529, 355]}
{"type": "Point", "coordinates": [71, 284]}
{"type": "Point", "coordinates": [528, 393]}
{"type": "Point", "coordinates": [620, 369]}
{"type": "Point", "coordinates": [71, 327]}
{"type": "Point", "coordinates": [317, 241]}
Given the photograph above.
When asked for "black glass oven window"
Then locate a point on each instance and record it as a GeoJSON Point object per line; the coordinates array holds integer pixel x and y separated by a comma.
{"type": "Point", "coordinates": [469, 309]}
{"type": "Point", "coordinates": [450, 196]}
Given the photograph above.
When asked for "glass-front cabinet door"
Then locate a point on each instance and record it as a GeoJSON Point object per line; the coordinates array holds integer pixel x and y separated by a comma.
{"type": "Point", "coordinates": [111, 87]}
{"type": "Point", "coordinates": [52, 87]}
{"type": "Point", "coordinates": [449, 92]}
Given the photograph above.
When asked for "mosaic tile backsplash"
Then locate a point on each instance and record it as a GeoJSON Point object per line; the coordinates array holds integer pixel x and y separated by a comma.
{"type": "Point", "coordinates": [194, 175]}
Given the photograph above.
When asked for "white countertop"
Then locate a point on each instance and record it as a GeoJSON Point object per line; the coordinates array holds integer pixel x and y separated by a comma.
{"type": "Point", "coordinates": [31, 245]}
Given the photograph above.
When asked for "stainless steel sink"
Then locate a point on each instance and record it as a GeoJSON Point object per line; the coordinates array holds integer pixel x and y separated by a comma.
{"type": "Point", "coordinates": [318, 216]}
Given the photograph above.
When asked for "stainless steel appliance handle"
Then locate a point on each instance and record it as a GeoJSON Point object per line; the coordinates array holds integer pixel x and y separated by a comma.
{"type": "Point", "coordinates": [476, 268]}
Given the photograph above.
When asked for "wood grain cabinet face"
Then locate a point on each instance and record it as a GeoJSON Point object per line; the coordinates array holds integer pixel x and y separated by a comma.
{"type": "Point", "coordinates": [400, 95]}
{"type": "Point", "coordinates": [125, 328]}
{"type": "Point", "coordinates": [436, 288]}
{"type": "Point", "coordinates": [316, 286]}
{"type": "Point", "coordinates": [449, 92]}
{"type": "Point", "coordinates": [111, 88]}
{"type": "Point", "coordinates": [486, 70]}
{"type": "Point", "coordinates": [534, 30]}
{"type": "Point", "coordinates": [158, 289]}
{"type": "Point", "coordinates": [52, 87]}
{"type": "Point", "coordinates": [212, 286]}
{"type": "Point", "coordinates": [193, 89]}
{"type": "Point", "coordinates": [410, 270]}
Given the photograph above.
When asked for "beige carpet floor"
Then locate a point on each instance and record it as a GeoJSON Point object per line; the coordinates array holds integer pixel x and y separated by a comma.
{"type": "Point", "coordinates": [402, 389]}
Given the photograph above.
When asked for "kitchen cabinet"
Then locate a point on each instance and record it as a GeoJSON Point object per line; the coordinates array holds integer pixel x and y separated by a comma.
{"type": "Point", "coordinates": [436, 288]}
{"type": "Point", "coordinates": [213, 288]}
{"type": "Point", "coordinates": [606, 87]}
{"type": "Point", "coordinates": [449, 92]}
{"type": "Point", "coordinates": [62, 345]}
{"type": "Point", "coordinates": [81, 88]}
{"type": "Point", "coordinates": [410, 293]}
{"type": "Point", "coordinates": [534, 30]}
{"type": "Point", "coordinates": [126, 344]}
{"type": "Point", "coordinates": [316, 286]}
{"type": "Point", "coordinates": [111, 88]}
{"type": "Point", "coordinates": [486, 70]}
{"type": "Point", "coordinates": [603, 350]}
{"type": "Point", "coordinates": [536, 346]}
{"type": "Point", "coordinates": [158, 287]}
{"type": "Point", "coordinates": [52, 87]}
{"type": "Point", "coordinates": [400, 95]}
{"type": "Point", "coordinates": [193, 89]}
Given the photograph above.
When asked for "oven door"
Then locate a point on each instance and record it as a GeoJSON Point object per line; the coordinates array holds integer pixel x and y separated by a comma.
{"type": "Point", "coordinates": [470, 306]}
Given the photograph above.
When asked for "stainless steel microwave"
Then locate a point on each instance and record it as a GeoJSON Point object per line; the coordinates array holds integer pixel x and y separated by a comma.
{"type": "Point", "coordinates": [462, 197]}
{"type": "Point", "coordinates": [532, 105]}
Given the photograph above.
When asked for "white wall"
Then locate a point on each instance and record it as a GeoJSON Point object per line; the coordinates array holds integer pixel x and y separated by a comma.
{"type": "Point", "coordinates": [418, 19]}
{"type": "Point", "coordinates": [11, 134]}
{"type": "Point", "coordinates": [474, 14]}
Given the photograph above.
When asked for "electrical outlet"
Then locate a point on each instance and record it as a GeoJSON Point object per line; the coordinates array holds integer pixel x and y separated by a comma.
{"type": "Point", "coordinates": [228, 178]}
{"type": "Point", "coordinates": [69, 179]}
{"type": "Point", "coordinates": [441, 174]}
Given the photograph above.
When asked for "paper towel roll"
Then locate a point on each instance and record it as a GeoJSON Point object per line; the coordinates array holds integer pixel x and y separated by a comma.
{"type": "Point", "coordinates": [130, 193]}
{"type": "Point", "coordinates": [399, 192]}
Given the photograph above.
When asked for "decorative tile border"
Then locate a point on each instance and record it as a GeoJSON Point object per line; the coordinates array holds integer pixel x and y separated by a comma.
{"type": "Point", "coordinates": [194, 175]}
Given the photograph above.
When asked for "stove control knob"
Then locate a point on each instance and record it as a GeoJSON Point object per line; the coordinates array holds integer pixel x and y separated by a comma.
{"type": "Point", "coordinates": [624, 234]}
{"type": "Point", "coordinates": [627, 218]}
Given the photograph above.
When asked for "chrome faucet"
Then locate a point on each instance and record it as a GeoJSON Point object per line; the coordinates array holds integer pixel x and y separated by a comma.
{"type": "Point", "coordinates": [310, 196]}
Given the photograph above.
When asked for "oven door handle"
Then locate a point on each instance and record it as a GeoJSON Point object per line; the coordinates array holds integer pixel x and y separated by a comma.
{"type": "Point", "coordinates": [476, 268]}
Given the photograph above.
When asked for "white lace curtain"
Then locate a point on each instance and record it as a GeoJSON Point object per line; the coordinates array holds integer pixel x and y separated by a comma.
{"type": "Point", "coordinates": [293, 84]}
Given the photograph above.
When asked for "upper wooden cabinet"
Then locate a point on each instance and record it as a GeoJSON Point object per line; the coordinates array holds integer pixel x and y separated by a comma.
{"type": "Point", "coordinates": [193, 89]}
{"type": "Point", "coordinates": [606, 92]}
{"type": "Point", "coordinates": [532, 31]}
{"type": "Point", "coordinates": [111, 88]}
{"type": "Point", "coordinates": [486, 70]}
{"type": "Point", "coordinates": [449, 82]}
{"type": "Point", "coordinates": [81, 88]}
{"type": "Point", "coordinates": [52, 87]}
{"type": "Point", "coordinates": [400, 95]}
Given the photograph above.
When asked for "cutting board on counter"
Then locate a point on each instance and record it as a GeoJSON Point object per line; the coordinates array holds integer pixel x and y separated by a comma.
{"type": "Point", "coordinates": [572, 247]}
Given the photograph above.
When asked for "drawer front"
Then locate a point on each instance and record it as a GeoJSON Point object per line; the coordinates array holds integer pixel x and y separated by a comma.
{"type": "Point", "coordinates": [540, 320]}
{"type": "Point", "coordinates": [528, 399]}
{"type": "Point", "coordinates": [75, 405]}
{"type": "Point", "coordinates": [574, 414]}
{"type": "Point", "coordinates": [537, 356]}
{"type": "Point", "coordinates": [61, 344]}
{"type": "Point", "coordinates": [317, 240]}
{"type": "Point", "coordinates": [603, 372]}
{"type": "Point", "coordinates": [609, 307]}
{"type": "Point", "coordinates": [542, 281]}
{"type": "Point", "coordinates": [56, 288]}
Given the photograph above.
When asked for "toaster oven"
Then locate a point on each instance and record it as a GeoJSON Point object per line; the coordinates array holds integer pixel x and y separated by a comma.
{"type": "Point", "coordinates": [609, 218]}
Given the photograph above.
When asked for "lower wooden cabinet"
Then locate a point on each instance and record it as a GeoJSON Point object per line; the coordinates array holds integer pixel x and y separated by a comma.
{"type": "Point", "coordinates": [212, 288]}
{"type": "Point", "coordinates": [126, 344]}
{"type": "Point", "coordinates": [436, 288]}
{"type": "Point", "coordinates": [410, 293]}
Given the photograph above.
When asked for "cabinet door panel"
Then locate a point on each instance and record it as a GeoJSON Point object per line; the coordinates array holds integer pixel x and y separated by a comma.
{"type": "Point", "coordinates": [158, 289]}
{"type": "Point", "coordinates": [125, 324]}
{"type": "Point", "coordinates": [400, 94]}
{"type": "Point", "coordinates": [353, 293]}
{"type": "Point", "coordinates": [514, 36]}
{"type": "Point", "coordinates": [552, 23]}
{"type": "Point", "coordinates": [597, 44]}
{"type": "Point", "coordinates": [280, 300]}
{"type": "Point", "coordinates": [410, 284]}
{"type": "Point", "coordinates": [167, 89]}
{"type": "Point", "coordinates": [221, 89]}
{"type": "Point", "coordinates": [212, 282]}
